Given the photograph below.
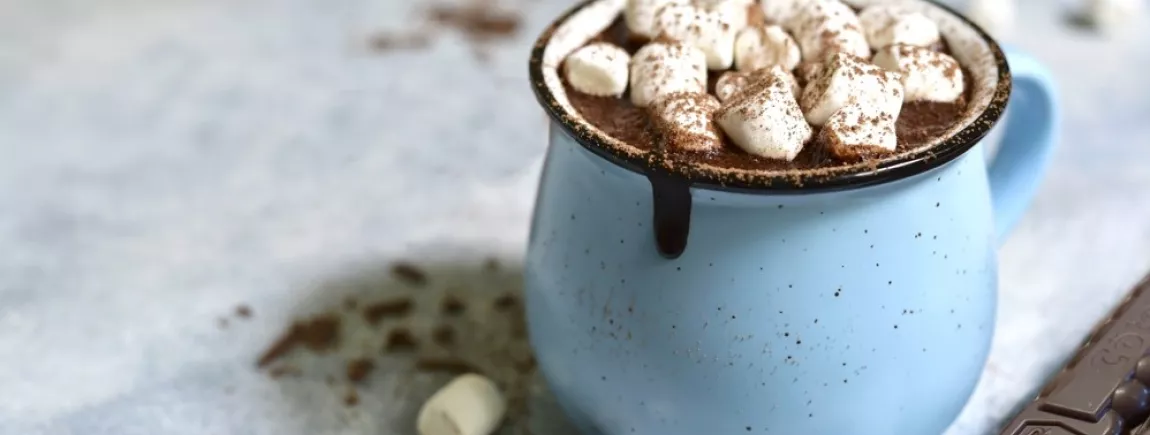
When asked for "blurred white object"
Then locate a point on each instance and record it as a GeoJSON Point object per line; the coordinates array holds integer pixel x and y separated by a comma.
{"type": "Point", "coordinates": [994, 16]}
{"type": "Point", "coordinates": [469, 405]}
{"type": "Point", "coordinates": [1112, 16]}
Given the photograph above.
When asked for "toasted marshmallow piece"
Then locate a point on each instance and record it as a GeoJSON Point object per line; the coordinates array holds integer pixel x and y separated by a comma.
{"type": "Point", "coordinates": [781, 11]}
{"type": "Point", "coordinates": [732, 83]}
{"type": "Point", "coordinates": [684, 121]}
{"type": "Point", "coordinates": [660, 69]}
{"type": "Point", "coordinates": [857, 130]}
{"type": "Point", "coordinates": [598, 69]}
{"type": "Point", "coordinates": [846, 79]}
{"type": "Point", "coordinates": [580, 28]}
{"type": "Point", "coordinates": [764, 46]}
{"type": "Point", "coordinates": [468, 405]}
{"type": "Point", "coordinates": [1112, 16]}
{"type": "Point", "coordinates": [825, 27]}
{"type": "Point", "coordinates": [885, 25]}
{"type": "Point", "coordinates": [994, 16]}
{"type": "Point", "coordinates": [640, 15]}
{"type": "Point", "coordinates": [710, 30]}
{"type": "Point", "coordinates": [766, 120]}
{"type": "Point", "coordinates": [927, 75]}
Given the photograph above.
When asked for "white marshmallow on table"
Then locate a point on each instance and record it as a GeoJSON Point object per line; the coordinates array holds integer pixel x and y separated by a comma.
{"type": "Point", "coordinates": [1113, 16]}
{"type": "Point", "coordinates": [684, 120]}
{"type": "Point", "coordinates": [766, 120]}
{"type": "Point", "coordinates": [846, 79]}
{"type": "Point", "coordinates": [927, 75]}
{"type": "Point", "coordinates": [660, 69]}
{"type": "Point", "coordinates": [732, 83]}
{"type": "Point", "coordinates": [763, 46]}
{"type": "Point", "coordinates": [598, 69]}
{"type": "Point", "coordinates": [885, 25]}
{"type": "Point", "coordinates": [857, 130]}
{"type": "Point", "coordinates": [710, 30]}
{"type": "Point", "coordinates": [640, 15]}
{"type": "Point", "coordinates": [996, 17]}
{"type": "Point", "coordinates": [825, 27]}
{"type": "Point", "coordinates": [468, 405]}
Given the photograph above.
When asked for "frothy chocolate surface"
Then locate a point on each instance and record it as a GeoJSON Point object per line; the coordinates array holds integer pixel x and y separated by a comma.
{"type": "Point", "coordinates": [918, 124]}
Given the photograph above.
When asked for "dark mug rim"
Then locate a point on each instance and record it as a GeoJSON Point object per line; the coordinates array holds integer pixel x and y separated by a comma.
{"type": "Point", "coordinates": [852, 177]}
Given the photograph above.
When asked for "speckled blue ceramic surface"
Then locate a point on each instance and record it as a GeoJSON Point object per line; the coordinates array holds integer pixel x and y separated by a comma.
{"type": "Point", "coordinates": [166, 161]}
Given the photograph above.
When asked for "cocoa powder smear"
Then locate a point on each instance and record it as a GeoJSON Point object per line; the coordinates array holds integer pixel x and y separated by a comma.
{"type": "Point", "coordinates": [918, 124]}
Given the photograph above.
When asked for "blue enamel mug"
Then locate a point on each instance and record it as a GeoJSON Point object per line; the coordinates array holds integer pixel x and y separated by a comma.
{"type": "Point", "coordinates": [679, 300]}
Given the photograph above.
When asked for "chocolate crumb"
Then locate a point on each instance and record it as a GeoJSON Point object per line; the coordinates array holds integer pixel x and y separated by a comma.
{"type": "Point", "coordinates": [452, 306]}
{"type": "Point", "coordinates": [452, 366]}
{"type": "Point", "coordinates": [318, 334]}
{"type": "Point", "coordinates": [400, 340]}
{"type": "Point", "coordinates": [244, 312]}
{"type": "Point", "coordinates": [409, 273]}
{"type": "Point", "coordinates": [396, 308]}
{"type": "Point", "coordinates": [443, 335]}
{"type": "Point", "coordinates": [359, 369]}
{"type": "Point", "coordinates": [351, 398]}
{"type": "Point", "coordinates": [506, 302]}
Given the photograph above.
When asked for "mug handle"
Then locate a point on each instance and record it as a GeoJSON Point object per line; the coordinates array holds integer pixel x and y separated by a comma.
{"type": "Point", "coordinates": [1034, 117]}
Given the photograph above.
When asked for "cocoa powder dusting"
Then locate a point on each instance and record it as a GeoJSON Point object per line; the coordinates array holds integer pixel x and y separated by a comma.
{"type": "Point", "coordinates": [318, 334]}
{"type": "Point", "coordinates": [453, 366]}
{"type": "Point", "coordinates": [479, 22]}
{"type": "Point", "coordinates": [359, 369]}
{"type": "Point", "coordinates": [396, 308]}
{"type": "Point", "coordinates": [918, 124]}
{"type": "Point", "coordinates": [400, 340]}
{"type": "Point", "coordinates": [409, 273]}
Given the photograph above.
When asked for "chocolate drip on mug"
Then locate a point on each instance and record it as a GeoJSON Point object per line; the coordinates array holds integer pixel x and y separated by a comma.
{"type": "Point", "coordinates": [672, 206]}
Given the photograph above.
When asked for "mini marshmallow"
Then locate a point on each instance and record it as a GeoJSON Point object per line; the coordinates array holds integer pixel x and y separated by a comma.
{"type": "Point", "coordinates": [710, 30]}
{"type": "Point", "coordinates": [886, 25]}
{"type": "Point", "coordinates": [781, 11]}
{"type": "Point", "coordinates": [825, 27]}
{"type": "Point", "coordinates": [927, 75]}
{"type": "Point", "coordinates": [994, 16]}
{"type": "Point", "coordinates": [660, 69]}
{"type": "Point", "coordinates": [735, 82]}
{"type": "Point", "coordinates": [640, 15]}
{"type": "Point", "coordinates": [468, 405]}
{"type": "Point", "coordinates": [846, 79]}
{"type": "Point", "coordinates": [580, 28]}
{"type": "Point", "coordinates": [857, 130]}
{"type": "Point", "coordinates": [684, 121]}
{"type": "Point", "coordinates": [766, 120]}
{"type": "Point", "coordinates": [1112, 16]}
{"type": "Point", "coordinates": [764, 46]}
{"type": "Point", "coordinates": [598, 69]}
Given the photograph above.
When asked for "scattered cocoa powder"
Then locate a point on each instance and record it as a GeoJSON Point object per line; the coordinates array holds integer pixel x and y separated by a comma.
{"type": "Point", "coordinates": [282, 371]}
{"type": "Point", "coordinates": [318, 334]}
{"type": "Point", "coordinates": [415, 40]}
{"type": "Point", "coordinates": [443, 335]}
{"type": "Point", "coordinates": [395, 308]}
{"type": "Point", "coordinates": [452, 366]}
{"type": "Point", "coordinates": [506, 302]}
{"type": "Point", "coordinates": [400, 340]}
{"type": "Point", "coordinates": [359, 369]}
{"type": "Point", "coordinates": [244, 312]}
{"type": "Point", "coordinates": [351, 398]}
{"type": "Point", "coordinates": [451, 306]}
{"type": "Point", "coordinates": [478, 22]}
{"type": "Point", "coordinates": [409, 273]}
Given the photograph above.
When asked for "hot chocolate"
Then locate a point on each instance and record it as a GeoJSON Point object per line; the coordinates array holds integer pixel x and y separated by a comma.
{"type": "Point", "coordinates": [771, 86]}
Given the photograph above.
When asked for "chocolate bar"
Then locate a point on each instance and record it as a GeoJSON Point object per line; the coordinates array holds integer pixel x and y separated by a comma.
{"type": "Point", "coordinates": [1103, 390]}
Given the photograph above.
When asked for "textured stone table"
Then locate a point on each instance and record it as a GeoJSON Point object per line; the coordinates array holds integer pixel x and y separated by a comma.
{"type": "Point", "coordinates": [166, 161]}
